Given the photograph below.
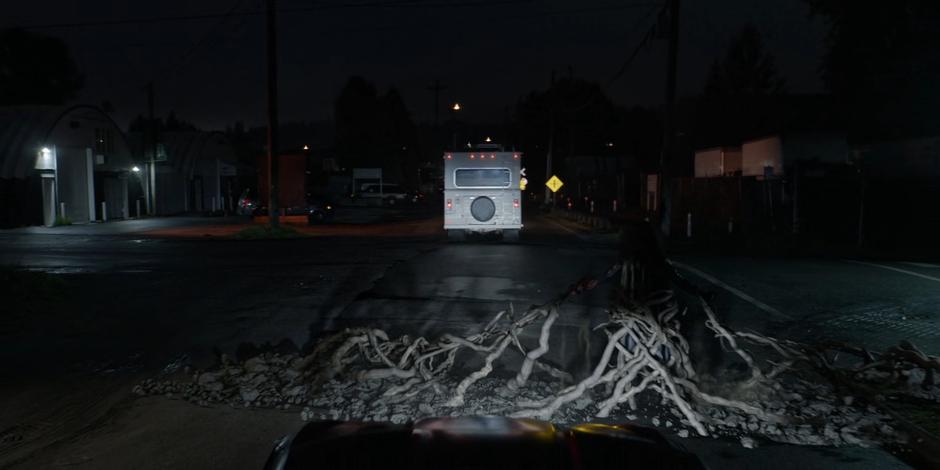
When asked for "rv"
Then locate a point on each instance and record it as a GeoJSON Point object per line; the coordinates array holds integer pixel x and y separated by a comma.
{"type": "Point", "coordinates": [482, 192]}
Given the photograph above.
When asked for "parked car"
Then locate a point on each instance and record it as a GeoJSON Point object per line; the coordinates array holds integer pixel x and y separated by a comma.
{"type": "Point", "coordinates": [247, 205]}
{"type": "Point", "coordinates": [416, 197]}
{"type": "Point", "coordinates": [317, 212]}
{"type": "Point", "coordinates": [389, 194]}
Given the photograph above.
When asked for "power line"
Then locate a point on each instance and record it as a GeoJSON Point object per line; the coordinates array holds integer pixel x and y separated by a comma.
{"type": "Point", "coordinates": [323, 7]}
{"type": "Point", "coordinates": [640, 45]}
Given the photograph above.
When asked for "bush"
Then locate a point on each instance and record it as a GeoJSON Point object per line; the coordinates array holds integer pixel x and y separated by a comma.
{"type": "Point", "coordinates": [60, 220]}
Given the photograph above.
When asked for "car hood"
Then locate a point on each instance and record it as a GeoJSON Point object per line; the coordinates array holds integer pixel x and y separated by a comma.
{"type": "Point", "coordinates": [477, 442]}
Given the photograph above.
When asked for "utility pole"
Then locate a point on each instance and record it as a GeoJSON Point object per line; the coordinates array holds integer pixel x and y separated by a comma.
{"type": "Point", "coordinates": [272, 115]}
{"type": "Point", "coordinates": [152, 187]}
{"type": "Point", "coordinates": [437, 88]}
{"type": "Point", "coordinates": [669, 132]}
{"type": "Point", "coordinates": [549, 196]}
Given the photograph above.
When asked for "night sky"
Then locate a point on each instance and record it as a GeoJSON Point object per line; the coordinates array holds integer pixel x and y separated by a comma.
{"type": "Point", "coordinates": [211, 71]}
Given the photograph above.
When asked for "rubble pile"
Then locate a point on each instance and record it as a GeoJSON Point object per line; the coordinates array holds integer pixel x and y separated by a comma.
{"type": "Point", "coordinates": [792, 393]}
{"type": "Point", "coordinates": [267, 380]}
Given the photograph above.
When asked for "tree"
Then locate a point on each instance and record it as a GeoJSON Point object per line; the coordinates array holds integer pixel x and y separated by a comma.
{"type": "Point", "coordinates": [584, 121]}
{"type": "Point", "coordinates": [742, 93]}
{"type": "Point", "coordinates": [374, 130]}
{"type": "Point", "coordinates": [36, 69]}
{"type": "Point", "coordinates": [745, 69]}
{"type": "Point", "coordinates": [170, 124]}
{"type": "Point", "coordinates": [882, 65]}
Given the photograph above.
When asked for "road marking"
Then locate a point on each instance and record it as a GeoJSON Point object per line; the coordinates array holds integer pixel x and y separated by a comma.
{"type": "Point", "coordinates": [580, 236]}
{"type": "Point", "coordinates": [737, 292]}
{"type": "Point", "coordinates": [912, 273]}
{"type": "Point", "coordinates": [920, 265]}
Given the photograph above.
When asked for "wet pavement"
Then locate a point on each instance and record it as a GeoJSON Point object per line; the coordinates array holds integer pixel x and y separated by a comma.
{"type": "Point", "coordinates": [135, 301]}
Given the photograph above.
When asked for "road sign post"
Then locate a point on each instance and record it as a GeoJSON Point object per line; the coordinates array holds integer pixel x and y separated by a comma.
{"type": "Point", "coordinates": [554, 184]}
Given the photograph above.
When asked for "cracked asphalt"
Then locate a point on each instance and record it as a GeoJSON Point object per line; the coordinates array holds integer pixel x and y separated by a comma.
{"type": "Point", "coordinates": [132, 302]}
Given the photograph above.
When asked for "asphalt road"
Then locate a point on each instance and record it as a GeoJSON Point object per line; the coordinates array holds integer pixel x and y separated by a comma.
{"type": "Point", "coordinates": [132, 302]}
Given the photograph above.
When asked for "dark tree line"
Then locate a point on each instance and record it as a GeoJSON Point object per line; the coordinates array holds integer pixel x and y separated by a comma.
{"type": "Point", "coordinates": [374, 130]}
{"type": "Point", "coordinates": [882, 65]}
{"type": "Point", "coordinates": [36, 69]}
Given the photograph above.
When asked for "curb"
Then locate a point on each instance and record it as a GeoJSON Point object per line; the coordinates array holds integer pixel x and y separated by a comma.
{"type": "Point", "coordinates": [598, 223]}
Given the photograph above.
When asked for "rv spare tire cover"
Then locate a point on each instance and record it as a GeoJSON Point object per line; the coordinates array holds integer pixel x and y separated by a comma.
{"type": "Point", "coordinates": [482, 209]}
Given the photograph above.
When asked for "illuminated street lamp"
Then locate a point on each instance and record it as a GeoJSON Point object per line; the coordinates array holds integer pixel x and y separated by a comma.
{"type": "Point", "coordinates": [135, 169]}
{"type": "Point", "coordinates": [454, 109]}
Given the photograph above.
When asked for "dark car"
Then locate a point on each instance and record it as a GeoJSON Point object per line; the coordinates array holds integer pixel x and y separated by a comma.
{"type": "Point", "coordinates": [477, 442]}
{"type": "Point", "coordinates": [317, 212]}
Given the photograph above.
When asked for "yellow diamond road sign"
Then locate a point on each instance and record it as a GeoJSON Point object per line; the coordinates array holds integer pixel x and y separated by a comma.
{"type": "Point", "coordinates": [554, 184]}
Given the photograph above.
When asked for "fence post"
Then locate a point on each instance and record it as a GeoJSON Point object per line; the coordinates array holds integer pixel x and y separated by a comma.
{"type": "Point", "coordinates": [62, 210]}
{"type": "Point", "coordinates": [138, 207]}
{"type": "Point", "coordinates": [104, 211]}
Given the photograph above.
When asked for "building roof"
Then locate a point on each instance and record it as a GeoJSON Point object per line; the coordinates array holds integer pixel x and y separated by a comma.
{"type": "Point", "coordinates": [185, 148]}
{"type": "Point", "coordinates": [26, 129]}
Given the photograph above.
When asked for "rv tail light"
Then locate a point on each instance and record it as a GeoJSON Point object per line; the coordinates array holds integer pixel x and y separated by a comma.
{"type": "Point", "coordinates": [450, 205]}
{"type": "Point", "coordinates": [515, 203]}
{"type": "Point", "coordinates": [492, 156]}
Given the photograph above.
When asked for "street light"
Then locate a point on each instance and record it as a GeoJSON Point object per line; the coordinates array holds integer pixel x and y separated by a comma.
{"type": "Point", "coordinates": [454, 109]}
{"type": "Point", "coordinates": [135, 169]}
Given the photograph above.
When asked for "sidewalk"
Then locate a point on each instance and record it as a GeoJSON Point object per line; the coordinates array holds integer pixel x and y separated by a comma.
{"type": "Point", "coordinates": [129, 226]}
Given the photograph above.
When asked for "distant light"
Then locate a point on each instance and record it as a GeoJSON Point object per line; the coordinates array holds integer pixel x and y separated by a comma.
{"type": "Point", "coordinates": [487, 140]}
{"type": "Point", "coordinates": [404, 147]}
{"type": "Point", "coordinates": [135, 169]}
{"type": "Point", "coordinates": [469, 146]}
{"type": "Point", "coordinates": [515, 156]}
{"type": "Point", "coordinates": [306, 147]}
{"type": "Point", "coordinates": [610, 144]}
{"type": "Point", "coordinates": [456, 107]}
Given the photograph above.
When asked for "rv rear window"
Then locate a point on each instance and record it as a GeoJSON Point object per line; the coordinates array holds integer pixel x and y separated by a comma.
{"type": "Point", "coordinates": [482, 178]}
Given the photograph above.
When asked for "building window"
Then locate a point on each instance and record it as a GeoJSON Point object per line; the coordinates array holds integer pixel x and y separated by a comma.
{"type": "Point", "coordinates": [104, 141]}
